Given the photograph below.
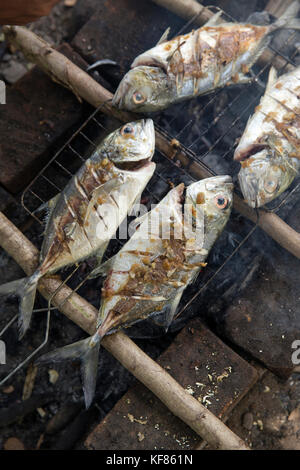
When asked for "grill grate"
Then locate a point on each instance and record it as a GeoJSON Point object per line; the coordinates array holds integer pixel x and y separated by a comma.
{"type": "Point", "coordinates": [207, 128]}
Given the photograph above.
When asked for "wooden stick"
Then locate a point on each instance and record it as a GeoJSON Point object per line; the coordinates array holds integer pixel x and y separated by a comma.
{"type": "Point", "coordinates": [63, 71]}
{"type": "Point", "coordinates": [187, 9]}
{"type": "Point", "coordinates": [153, 376]}
{"type": "Point", "coordinates": [277, 7]}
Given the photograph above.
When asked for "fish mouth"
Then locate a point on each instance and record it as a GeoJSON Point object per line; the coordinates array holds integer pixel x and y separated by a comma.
{"type": "Point", "coordinates": [148, 127]}
{"type": "Point", "coordinates": [134, 166]}
{"type": "Point", "coordinates": [216, 181]}
{"type": "Point", "coordinates": [223, 179]}
{"type": "Point", "coordinates": [148, 61]}
{"type": "Point", "coordinates": [248, 152]}
{"type": "Point", "coordinates": [249, 188]}
{"type": "Point", "coordinates": [121, 92]}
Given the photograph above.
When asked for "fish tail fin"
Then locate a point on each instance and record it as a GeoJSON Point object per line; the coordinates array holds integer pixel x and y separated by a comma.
{"type": "Point", "coordinates": [288, 20]}
{"type": "Point", "coordinates": [25, 289]}
{"type": "Point", "coordinates": [87, 350]}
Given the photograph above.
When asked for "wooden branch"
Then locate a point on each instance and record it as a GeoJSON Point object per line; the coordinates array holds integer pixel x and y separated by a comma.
{"type": "Point", "coordinates": [153, 376]}
{"type": "Point", "coordinates": [63, 71]}
{"type": "Point", "coordinates": [277, 7]}
{"type": "Point", "coordinates": [187, 9]}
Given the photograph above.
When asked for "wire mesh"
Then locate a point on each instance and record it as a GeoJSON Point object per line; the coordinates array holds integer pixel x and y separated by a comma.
{"type": "Point", "coordinates": [207, 128]}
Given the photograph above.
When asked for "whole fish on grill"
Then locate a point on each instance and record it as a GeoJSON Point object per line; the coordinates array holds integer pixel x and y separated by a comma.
{"type": "Point", "coordinates": [269, 149]}
{"type": "Point", "coordinates": [87, 213]}
{"type": "Point", "coordinates": [196, 63]}
{"type": "Point", "coordinates": [149, 274]}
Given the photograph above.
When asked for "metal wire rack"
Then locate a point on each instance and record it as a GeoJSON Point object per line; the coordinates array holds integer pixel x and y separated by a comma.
{"type": "Point", "coordinates": [207, 128]}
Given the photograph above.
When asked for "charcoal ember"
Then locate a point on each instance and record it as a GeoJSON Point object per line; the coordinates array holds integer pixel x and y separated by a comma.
{"type": "Point", "coordinates": [63, 416]}
{"type": "Point", "coordinates": [21, 409]}
{"type": "Point", "coordinates": [75, 430]}
{"type": "Point", "coordinates": [247, 421]}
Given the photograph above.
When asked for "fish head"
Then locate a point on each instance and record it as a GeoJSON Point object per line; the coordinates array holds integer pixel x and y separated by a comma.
{"type": "Point", "coordinates": [264, 176]}
{"type": "Point", "coordinates": [211, 201]}
{"type": "Point", "coordinates": [132, 145]}
{"type": "Point", "coordinates": [143, 89]}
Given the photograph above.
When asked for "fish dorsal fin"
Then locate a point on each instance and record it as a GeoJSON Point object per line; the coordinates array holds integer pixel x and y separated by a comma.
{"type": "Point", "coordinates": [47, 206]}
{"type": "Point", "coordinates": [215, 19]}
{"type": "Point", "coordinates": [271, 79]}
{"type": "Point", "coordinates": [164, 36]}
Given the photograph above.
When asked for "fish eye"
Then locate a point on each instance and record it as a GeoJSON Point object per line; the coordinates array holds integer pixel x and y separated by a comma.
{"type": "Point", "coordinates": [270, 186]}
{"type": "Point", "coordinates": [221, 201]}
{"type": "Point", "coordinates": [127, 130]}
{"type": "Point", "coordinates": [138, 97]}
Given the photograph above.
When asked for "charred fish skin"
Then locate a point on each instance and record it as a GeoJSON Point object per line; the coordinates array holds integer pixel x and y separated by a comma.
{"type": "Point", "coordinates": [196, 63]}
{"type": "Point", "coordinates": [269, 149]}
{"type": "Point", "coordinates": [91, 207]}
{"type": "Point", "coordinates": [149, 274]}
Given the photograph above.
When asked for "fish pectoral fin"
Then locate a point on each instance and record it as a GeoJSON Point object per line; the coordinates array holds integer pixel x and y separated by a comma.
{"type": "Point", "coordinates": [165, 318]}
{"type": "Point", "coordinates": [48, 205]}
{"type": "Point", "coordinates": [271, 79]}
{"type": "Point", "coordinates": [215, 19]}
{"type": "Point", "coordinates": [87, 350]}
{"type": "Point", "coordinates": [264, 44]}
{"type": "Point", "coordinates": [100, 252]}
{"type": "Point", "coordinates": [164, 36]}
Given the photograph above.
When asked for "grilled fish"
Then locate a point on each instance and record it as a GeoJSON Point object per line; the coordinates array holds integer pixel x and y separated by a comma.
{"type": "Point", "coordinates": [87, 213]}
{"type": "Point", "coordinates": [149, 274]}
{"type": "Point", "coordinates": [196, 63]}
{"type": "Point", "coordinates": [269, 149]}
